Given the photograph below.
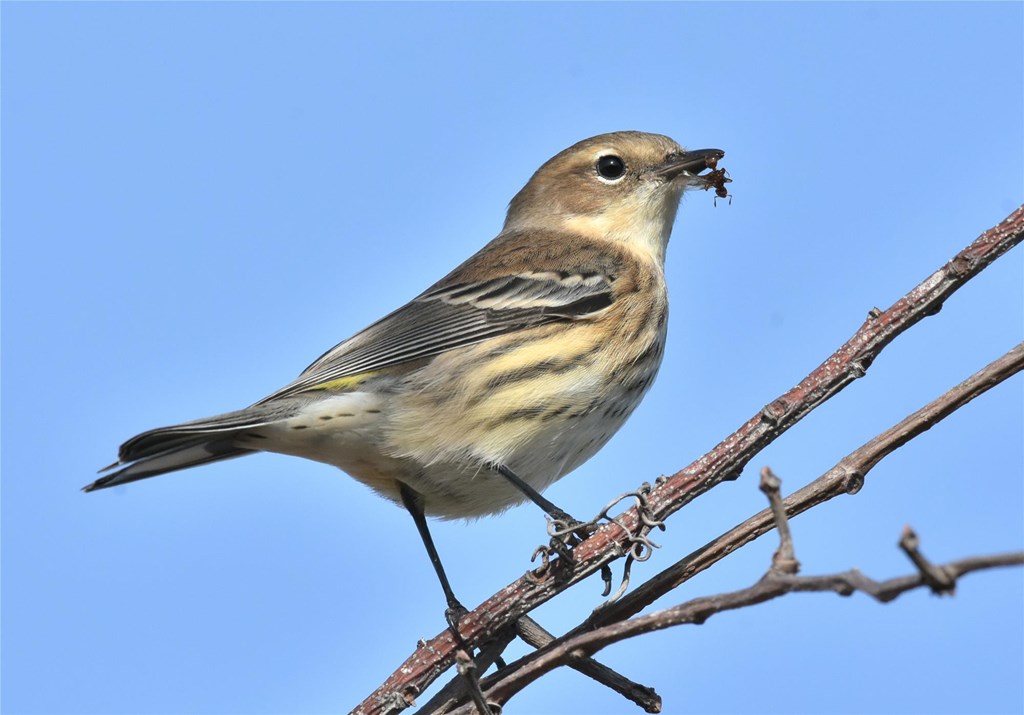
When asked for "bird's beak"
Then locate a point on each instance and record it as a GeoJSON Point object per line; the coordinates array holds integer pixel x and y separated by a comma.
{"type": "Point", "coordinates": [688, 163]}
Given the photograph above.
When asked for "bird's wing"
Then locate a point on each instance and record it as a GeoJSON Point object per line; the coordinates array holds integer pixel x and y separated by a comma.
{"type": "Point", "coordinates": [463, 309]}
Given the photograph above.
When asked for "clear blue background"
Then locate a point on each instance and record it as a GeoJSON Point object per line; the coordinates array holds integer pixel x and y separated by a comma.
{"type": "Point", "coordinates": [198, 199]}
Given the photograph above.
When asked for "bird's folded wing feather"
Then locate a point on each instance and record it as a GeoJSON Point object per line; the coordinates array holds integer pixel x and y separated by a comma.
{"type": "Point", "coordinates": [455, 313]}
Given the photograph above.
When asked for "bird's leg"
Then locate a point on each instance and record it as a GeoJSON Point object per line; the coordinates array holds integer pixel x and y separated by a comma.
{"type": "Point", "coordinates": [533, 495]}
{"type": "Point", "coordinates": [413, 502]}
{"type": "Point", "coordinates": [566, 526]}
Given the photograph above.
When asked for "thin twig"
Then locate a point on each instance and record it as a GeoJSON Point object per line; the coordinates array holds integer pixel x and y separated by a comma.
{"type": "Point", "coordinates": [937, 579]}
{"type": "Point", "coordinates": [534, 634]}
{"type": "Point", "coordinates": [467, 669]}
{"type": "Point", "coordinates": [538, 637]}
{"type": "Point", "coordinates": [457, 690]}
{"type": "Point", "coordinates": [725, 461]}
{"type": "Point", "coordinates": [784, 559]}
{"type": "Point", "coordinates": [699, 610]}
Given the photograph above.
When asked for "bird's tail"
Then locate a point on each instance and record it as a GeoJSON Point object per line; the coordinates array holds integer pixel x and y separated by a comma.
{"type": "Point", "coordinates": [168, 449]}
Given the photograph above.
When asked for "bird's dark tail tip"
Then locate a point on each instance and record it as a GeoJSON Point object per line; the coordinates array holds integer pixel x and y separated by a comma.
{"type": "Point", "coordinates": [179, 457]}
{"type": "Point", "coordinates": [168, 449]}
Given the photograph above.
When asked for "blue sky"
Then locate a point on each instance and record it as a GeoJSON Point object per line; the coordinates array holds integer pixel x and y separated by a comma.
{"type": "Point", "coordinates": [199, 199]}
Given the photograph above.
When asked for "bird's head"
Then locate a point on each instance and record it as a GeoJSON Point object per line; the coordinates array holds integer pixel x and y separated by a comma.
{"type": "Point", "coordinates": [623, 186]}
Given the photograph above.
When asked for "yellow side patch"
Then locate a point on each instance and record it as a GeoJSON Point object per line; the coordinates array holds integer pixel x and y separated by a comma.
{"type": "Point", "coordinates": [343, 384]}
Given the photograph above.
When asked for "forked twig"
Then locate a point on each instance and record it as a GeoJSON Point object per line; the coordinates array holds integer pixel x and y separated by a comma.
{"type": "Point", "coordinates": [779, 580]}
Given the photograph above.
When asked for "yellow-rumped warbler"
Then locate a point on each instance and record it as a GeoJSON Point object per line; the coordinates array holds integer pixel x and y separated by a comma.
{"type": "Point", "coordinates": [502, 377]}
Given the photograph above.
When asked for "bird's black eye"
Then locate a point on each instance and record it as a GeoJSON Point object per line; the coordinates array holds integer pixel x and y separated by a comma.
{"type": "Point", "coordinates": [611, 167]}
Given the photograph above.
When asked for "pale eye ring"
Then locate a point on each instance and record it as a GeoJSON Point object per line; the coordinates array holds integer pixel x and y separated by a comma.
{"type": "Point", "coordinates": [611, 167]}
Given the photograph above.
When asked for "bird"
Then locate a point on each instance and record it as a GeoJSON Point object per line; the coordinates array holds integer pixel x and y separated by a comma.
{"type": "Point", "coordinates": [502, 377]}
